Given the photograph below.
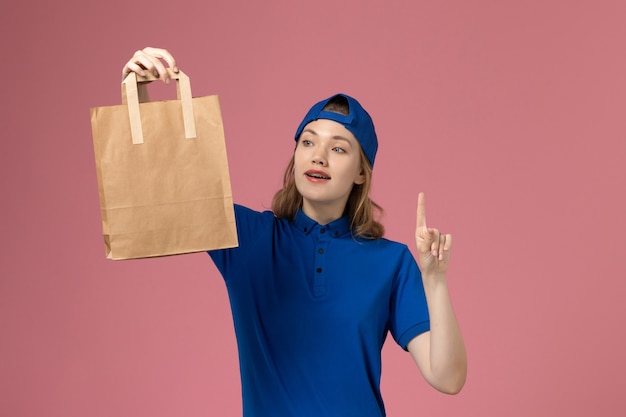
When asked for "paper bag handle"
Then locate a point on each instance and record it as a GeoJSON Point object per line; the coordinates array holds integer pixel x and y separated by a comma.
{"type": "Point", "coordinates": [131, 97]}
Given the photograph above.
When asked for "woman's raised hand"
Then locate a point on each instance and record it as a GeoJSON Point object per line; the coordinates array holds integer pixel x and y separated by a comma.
{"type": "Point", "coordinates": [151, 59]}
{"type": "Point", "coordinates": [433, 247]}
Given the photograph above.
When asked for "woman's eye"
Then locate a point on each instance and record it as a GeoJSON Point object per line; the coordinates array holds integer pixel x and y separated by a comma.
{"type": "Point", "coordinates": [306, 142]}
{"type": "Point", "coordinates": [338, 150]}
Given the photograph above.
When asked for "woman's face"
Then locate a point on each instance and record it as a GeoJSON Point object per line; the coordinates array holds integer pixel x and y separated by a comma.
{"type": "Point", "coordinates": [327, 163]}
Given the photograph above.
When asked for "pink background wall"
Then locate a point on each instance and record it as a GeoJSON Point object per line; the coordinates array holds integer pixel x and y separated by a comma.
{"type": "Point", "coordinates": [510, 115]}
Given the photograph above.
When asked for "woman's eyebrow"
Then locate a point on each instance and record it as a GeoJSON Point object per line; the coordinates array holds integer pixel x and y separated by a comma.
{"type": "Point", "coordinates": [336, 137]}
{"type": "Point", "coordinates": [343, 139]}
{"type": "Point", "coordinates": [310, 131]}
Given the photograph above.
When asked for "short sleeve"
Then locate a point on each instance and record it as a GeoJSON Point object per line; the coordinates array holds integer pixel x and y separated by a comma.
{"type": "Point", "coordinates": [251, 226]}
{"type": "Point", "coordinates": [409, 310]}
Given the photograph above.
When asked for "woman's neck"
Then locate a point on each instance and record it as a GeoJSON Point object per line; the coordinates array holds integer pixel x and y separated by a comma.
{"type": "Point", "coordinates": [323, 214]}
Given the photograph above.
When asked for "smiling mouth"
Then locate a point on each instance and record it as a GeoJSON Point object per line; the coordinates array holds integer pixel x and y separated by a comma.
{"type": "Point", "coordinates": [317, 175]}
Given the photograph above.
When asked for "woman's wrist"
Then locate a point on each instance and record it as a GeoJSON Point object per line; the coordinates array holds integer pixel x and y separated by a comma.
{"type": "Point", "coordinates": [434, 280]}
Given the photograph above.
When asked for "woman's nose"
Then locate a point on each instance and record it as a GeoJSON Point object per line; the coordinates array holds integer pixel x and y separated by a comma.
{"type": "Point", "coordinates": [319, 159]}
{"type": "Point", "coordinates": [319, 156]}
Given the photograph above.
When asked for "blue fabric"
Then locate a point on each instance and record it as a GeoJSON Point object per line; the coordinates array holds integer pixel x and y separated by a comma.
{"type": "Point", "coordinates": [312, 307]}
{"type": "Point", "coordinates": [358, 122]}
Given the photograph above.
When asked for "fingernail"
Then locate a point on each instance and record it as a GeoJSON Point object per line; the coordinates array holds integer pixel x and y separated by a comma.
{"type": "Point", "coordinates": [175, 69]}
{"type": "Point", "coordinates": [156, 73]}
{"type": "Point", "coordinates": [142, 73]}
{"type": "Point", "coordinates": [167, 80]}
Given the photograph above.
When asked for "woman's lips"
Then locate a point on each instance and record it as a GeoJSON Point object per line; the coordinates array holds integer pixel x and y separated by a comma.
{"type": "Point", "coordinates": [315, 175]}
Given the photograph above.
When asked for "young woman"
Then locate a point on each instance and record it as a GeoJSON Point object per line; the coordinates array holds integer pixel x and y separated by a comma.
{"type": "Point", "coordinates": [315, 288]}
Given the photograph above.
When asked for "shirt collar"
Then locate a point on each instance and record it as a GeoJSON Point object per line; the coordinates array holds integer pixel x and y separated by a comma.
{"type": "Point", "coordinates": [337, 228]}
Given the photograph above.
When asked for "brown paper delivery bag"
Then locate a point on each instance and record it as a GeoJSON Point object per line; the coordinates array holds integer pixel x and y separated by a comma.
{"type": "Point", "coordinates": [162, 173]}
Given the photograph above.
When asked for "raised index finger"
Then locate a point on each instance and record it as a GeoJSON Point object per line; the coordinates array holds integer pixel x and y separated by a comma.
{"type": "Point", "coordinates": [421, 210]}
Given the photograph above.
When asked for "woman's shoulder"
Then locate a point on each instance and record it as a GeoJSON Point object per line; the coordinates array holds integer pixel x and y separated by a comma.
{"type": "Point", "coordinates": [245, 210]}
{"type": "Point", "coordinates": [386, 244]}
{"type": "Point", "coordinates": [244, 213]}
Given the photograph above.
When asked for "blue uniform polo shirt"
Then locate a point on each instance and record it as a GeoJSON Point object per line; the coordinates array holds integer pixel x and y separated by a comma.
{"type": "Point", "coordinates": [312, 306]}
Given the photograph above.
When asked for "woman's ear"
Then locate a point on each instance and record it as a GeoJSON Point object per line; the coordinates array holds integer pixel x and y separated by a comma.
{"type": "Point", "coordinates": [360, 179]}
